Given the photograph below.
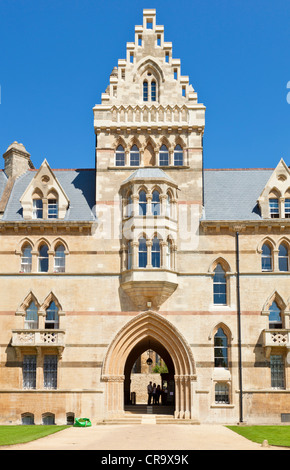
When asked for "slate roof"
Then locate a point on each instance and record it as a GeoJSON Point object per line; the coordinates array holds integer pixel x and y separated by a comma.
{"type": "Point", "coordinates": [233, 194]}
{"type": "Point", "coordinates": [79, 186]}
{"type": "Point", "coordinates": [228, 194]}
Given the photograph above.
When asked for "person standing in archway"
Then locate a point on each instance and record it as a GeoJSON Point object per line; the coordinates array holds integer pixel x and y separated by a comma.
{"type": "Point", "coordinates": [149, 391]}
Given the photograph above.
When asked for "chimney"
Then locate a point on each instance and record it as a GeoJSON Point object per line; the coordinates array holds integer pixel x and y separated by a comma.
{"type": "Point", "coordinates": [17, 160]}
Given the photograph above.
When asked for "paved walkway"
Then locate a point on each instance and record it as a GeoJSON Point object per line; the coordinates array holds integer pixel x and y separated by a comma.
{"type": "Point", "coordinates": [144, 437]}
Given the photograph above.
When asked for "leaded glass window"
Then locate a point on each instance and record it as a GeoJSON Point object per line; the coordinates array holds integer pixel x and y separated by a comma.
{"type": "Point", "coordinates": [145, 91]}
{"type": "Point", "coordinates": [142, 203]}
{"type": "Point", "coordinates": [219, 286]}
{"type": "Point", "coordinates": [163, 156]}
{"type": "Point", "coordinates": [287, 208]}
{"type": "Point", "coordinates": [266, 258]}
{"type": "Point", "coordinates": [26, 259]}
{"type": "Point", "coordinates": [134, 156]}
{"type": "Point", "coordinates": [52, 209]}
{"type": "Point", "coordinates": [222, 393]}
{"type": "Point", "coordinates": [29, 371]}
{"type": "Point", "coordinates": [155, 203]}
{"type": "Point", "coordinates": [50, 372]}
{"type": "Point", "coordinates": [31, 317]}
{"type": "Point", "coordinates": [283, 257]}
{"type": "Point", "coordinates": [277, 372]}
{"type": "Point", "coordinates": [120, 156]}
{"type": "Point", "coordinates": [155, 253]}
{"type": "Point", "coordinates": [59, 259]}
{"type": "Point", "coordinates": [43, 259]}
{"type": "Point", "coordinates": [153, 91]}
{"type": "Point", "coordinates": [178, 156]}
{"type": "Point", "coordinates": [37, 209]}
{"type": "Point", "coordinates": [274, 208]}
{"type": "Point", "coordinates": [52, 318]}
{"type": "Point", "coordinates": [142, 253]}
{"type": "Point", "coordinates": [220, 349]}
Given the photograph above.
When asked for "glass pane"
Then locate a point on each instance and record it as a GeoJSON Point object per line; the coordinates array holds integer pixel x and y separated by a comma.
{"type": "Point", "coordinates": [153, 91]}
{"type": "Point", "coordinates": [37, 209]}
{"type": "Point", "coordinates": [134, 156]}
{"type": "Point", "coordinates": [120, 156]}
{"type": "Point", "coordinates": [59, 259]}
{"type": "Point", "coordinates": [43, 259]}
{"type": "Point", "coordinates": [50, 372]}
{"type": "Point", "coordinates": [219, 286]}
{"type": "Point", "coordinates": [155, 253]}
{"type": "Point", "coordinates": [52, 209]}
{"type": "Point", "coordinates": [275, 320]}
{"type": "Point", "coordinates": [145, 91]}
{"type": "Point", "coordinates": [142, 253]}
{"type": "Point", "coordinates": [26, 260]}
{"type": "Point", "coordinates": [221, 393]}
{"type": "Point", "coordinates": [52, 318]}
{"type": "Point", "coordinates": [178, 156]}
{"type": "Point", "coordinates": [29, 371]}
{"type": "Point", "coordinates": [163, 156]}
{"type": "Point", "coordinates": [31, 317]}
{"type": "Point", "coordinates": [155, 203]}
{"type": "Point", "coordinates": [277, 372]}
{"type": "Point", "coordinates": [142, 203]}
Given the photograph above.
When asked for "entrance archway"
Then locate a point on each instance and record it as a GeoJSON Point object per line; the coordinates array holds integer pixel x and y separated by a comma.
{"type": "Point", "coordinates": [135, 336]}
{"type": "Point", "coordinates": [150, 345]}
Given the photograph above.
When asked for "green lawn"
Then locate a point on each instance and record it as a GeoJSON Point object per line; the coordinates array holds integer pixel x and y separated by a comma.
{"type": "Point", "coordinates": [10, 435]}
{"type": "Point", "coordinates": [275, 435]}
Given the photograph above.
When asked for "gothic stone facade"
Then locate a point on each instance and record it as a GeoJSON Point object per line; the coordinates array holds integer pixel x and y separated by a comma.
{"type": "Point", "coordinates": [148, 250]}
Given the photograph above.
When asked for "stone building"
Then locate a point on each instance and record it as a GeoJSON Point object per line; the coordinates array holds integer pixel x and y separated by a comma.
{"type": "Point", "coordinates": [148, 250]}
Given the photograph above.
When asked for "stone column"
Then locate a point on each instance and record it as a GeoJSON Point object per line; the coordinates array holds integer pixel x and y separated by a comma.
{"type": "Point", "coordinates": [149, 253]}
{"type": "Point", "coordinates": [163, 250]}
{"type": "Point", "coordinates": [135, 246]}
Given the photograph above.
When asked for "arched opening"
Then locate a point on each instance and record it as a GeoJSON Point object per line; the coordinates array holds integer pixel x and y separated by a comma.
{"type": "Point", "coordinates": [129, 343]}
{"type": "Point", "coordinates": [136, 382]}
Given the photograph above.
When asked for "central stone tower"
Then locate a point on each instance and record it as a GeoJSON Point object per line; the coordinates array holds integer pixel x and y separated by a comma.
{"type": "Point", "coordinates": [149, 155]}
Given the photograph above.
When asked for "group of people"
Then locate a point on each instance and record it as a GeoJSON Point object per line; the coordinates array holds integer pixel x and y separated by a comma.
{"type": "Point", "coordinates": [154, 393]}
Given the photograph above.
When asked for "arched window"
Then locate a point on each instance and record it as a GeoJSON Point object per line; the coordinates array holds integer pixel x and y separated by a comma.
{"type": "Point", "coordinates": [219, 286]}
{"type": "Point", "coordinates": [31, 317]}
{"type": "Point", "coordinates": [178, 156]}
{"type": "Point", "coordinates": [145, 90]}
{"type": "Point", "coordinates": [287, 208]}
{"type": "Point", "coordinates": [142, 203]}
{"type": "Point", "coordinates": [222, 393]}
{"type": "Point", "coordinates": [52, 318]}
{"type": "Point", "coordinates": [142, 253]}
{"type": "Point", "coordinates": [120, 156]}
{"type": "Point", "coordinates": [26, 259]}
{"type": "Point", "coordinates": [163, 156]}
{"type": "Point", "coordinates": [266, 257]}
{"type": "Point", "coordinates": [43, 259]}
{"type": "Point", "coordinates": [59, 259]}
{"type": "Point", "coordinates": [155, 253]}
{"type": "Point", "coordinates": [275, 320]}
{"type": "Point", "coordinates": [220, 349]}
{"type": "Point", "coordinates": [283, 257]}
{"type": "Point", "coordinates": [153, 91]}
{"type": "Point", "coordinates": [27, 418]}
{"type": "Point", "coordinates": [155, 203]}
{"type": "Point", "coordinates": [134, 156]}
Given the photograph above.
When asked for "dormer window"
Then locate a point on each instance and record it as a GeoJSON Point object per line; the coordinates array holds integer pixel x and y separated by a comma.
{"type": "Point", "coordinates": [274, 208]}
{"type": "Point", "coordinates": [52, 209]}
{"type": "Point", "coordinates": [37, 209]}
{"type": "Point", "coordinates": [287, 208]}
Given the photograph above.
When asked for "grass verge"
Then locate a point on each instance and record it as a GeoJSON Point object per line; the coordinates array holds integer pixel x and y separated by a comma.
{"type": "Point", "coordinates": [10, 435]}
{"type": "Point", "coordinates": [275, 435]}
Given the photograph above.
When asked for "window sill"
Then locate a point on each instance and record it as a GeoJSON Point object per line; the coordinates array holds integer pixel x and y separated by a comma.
{"type": "Point", "coordinates": [222, 405]}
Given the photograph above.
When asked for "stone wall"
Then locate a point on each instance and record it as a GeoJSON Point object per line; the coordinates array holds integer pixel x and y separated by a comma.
{"type": "Point", "coordinates": [139, 384]}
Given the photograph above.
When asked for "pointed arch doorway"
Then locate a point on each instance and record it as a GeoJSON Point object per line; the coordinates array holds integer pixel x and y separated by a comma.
{"type": "Point", "coordinates": [134, 337]}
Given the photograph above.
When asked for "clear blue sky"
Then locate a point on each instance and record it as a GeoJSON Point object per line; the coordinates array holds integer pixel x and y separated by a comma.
{"type": "Point", "coordinates": [56, 57]}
